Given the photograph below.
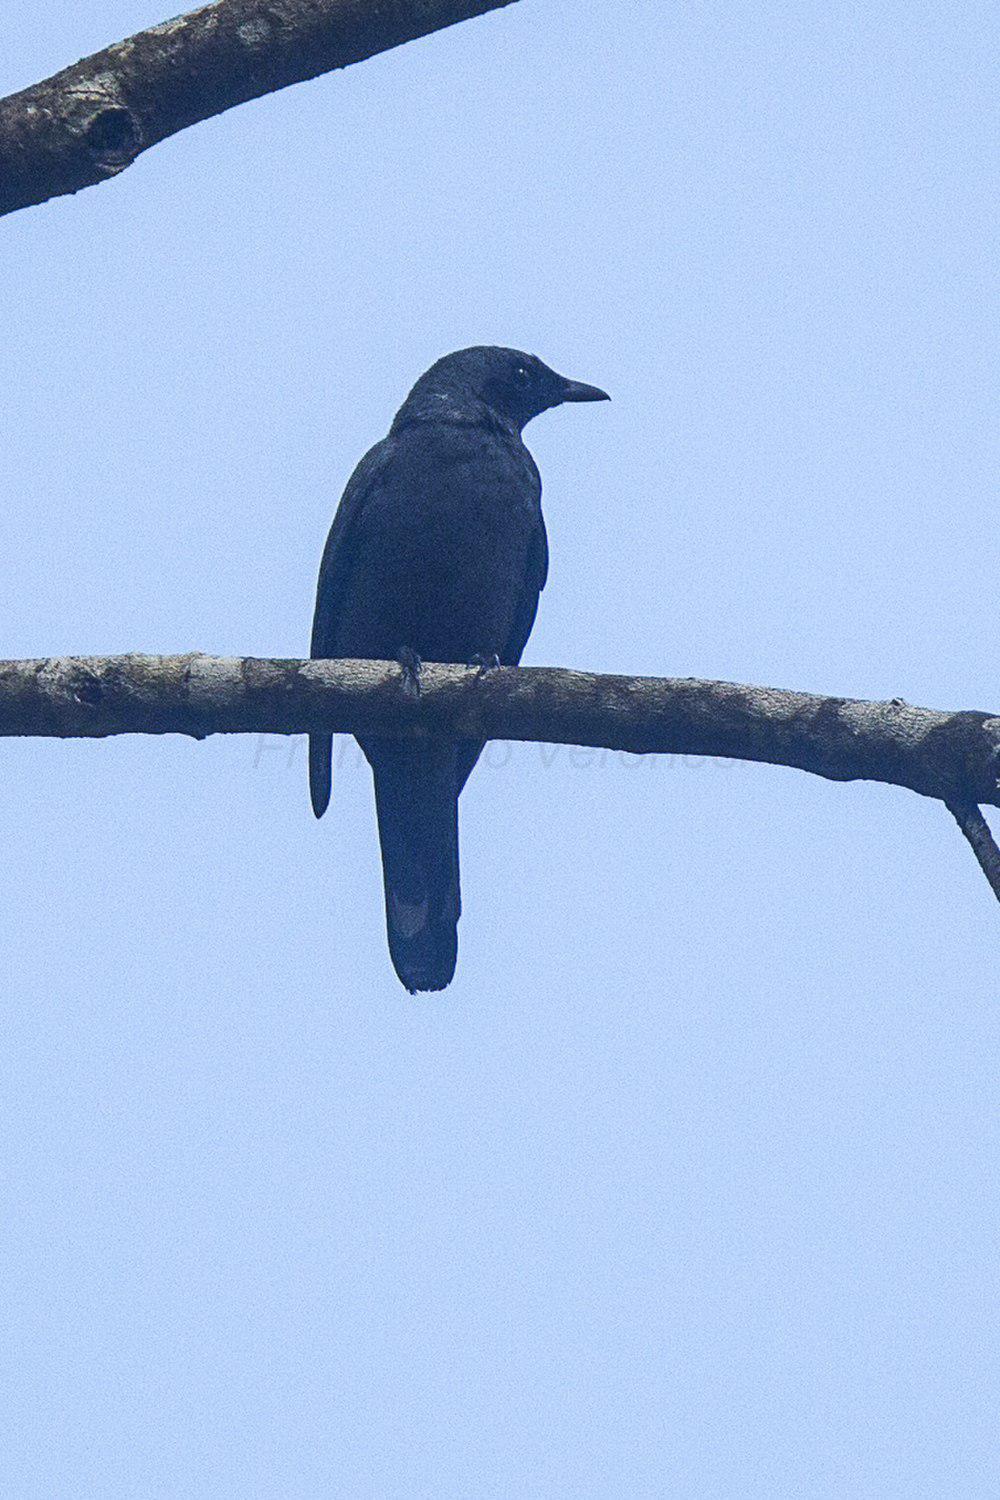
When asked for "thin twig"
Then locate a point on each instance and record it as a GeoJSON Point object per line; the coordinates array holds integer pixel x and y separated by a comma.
{"type": "Point", "coordinates": [980, 836]}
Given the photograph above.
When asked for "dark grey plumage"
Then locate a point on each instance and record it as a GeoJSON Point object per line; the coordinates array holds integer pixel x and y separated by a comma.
{"type": "Point", "coordinates": [437, 550]}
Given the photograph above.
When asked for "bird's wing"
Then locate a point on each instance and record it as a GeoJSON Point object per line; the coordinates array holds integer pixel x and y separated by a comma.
{"type": "Point", "coordinates": [337, 554]}
{"type": "Point", "coordinates": [334, 572]}
{"type": "Point", "coordinates": [535, 574]}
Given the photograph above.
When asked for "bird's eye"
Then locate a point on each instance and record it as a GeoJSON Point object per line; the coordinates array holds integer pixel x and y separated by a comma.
{"type": "Point", "coordinates": [521, 375]}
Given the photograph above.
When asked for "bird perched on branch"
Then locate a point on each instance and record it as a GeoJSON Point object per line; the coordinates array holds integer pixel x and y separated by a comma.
{"type": "Point", "coordinates": [437, 553]}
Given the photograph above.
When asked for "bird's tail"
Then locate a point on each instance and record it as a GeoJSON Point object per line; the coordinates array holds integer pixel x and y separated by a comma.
{"type": "Point", "coordinates": [417, 805]}
{"type": "Point", "coordinates": [320, 771]}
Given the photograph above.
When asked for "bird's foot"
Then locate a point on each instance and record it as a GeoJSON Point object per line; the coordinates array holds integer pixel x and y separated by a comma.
{"type": "Point", "coordinates": [411, 666]}
{"type": "Point", "coordinates": [485, 664]}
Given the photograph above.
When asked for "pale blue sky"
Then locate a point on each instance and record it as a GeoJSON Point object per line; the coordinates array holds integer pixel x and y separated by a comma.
{"type": "Point", "coordinates": [688, 1186]}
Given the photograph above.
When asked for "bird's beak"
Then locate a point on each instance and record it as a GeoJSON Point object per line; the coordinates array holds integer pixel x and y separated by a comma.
{"type": "Point", "coordinates": [575, 390]}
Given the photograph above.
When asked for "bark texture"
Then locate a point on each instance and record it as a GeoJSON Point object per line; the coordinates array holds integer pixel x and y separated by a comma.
{"type": "Point", "coordinates": [92, 120]}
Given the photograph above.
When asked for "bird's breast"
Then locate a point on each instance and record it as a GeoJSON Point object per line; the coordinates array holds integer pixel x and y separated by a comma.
{"type": "Point", "coordinates": [441, 551]}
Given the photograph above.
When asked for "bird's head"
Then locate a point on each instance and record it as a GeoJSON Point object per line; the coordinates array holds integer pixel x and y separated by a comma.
{"type": "Point", "coordinates": [512, 385]}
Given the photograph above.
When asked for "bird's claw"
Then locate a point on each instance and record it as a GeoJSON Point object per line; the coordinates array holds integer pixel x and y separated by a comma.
{"type": "Point", "coordinates": [485, 664]}
{"type": "Point", "coordinates": [410, 665]}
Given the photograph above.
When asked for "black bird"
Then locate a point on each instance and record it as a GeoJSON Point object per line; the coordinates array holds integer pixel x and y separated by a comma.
{"type": "Point", "coordinates": [437, 552]}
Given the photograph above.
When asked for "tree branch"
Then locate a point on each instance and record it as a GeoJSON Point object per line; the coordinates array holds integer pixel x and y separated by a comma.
{"type": "Point", "coordinates": [92, 120]}
{"type": "Point", "coordinates": [954, 757]}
